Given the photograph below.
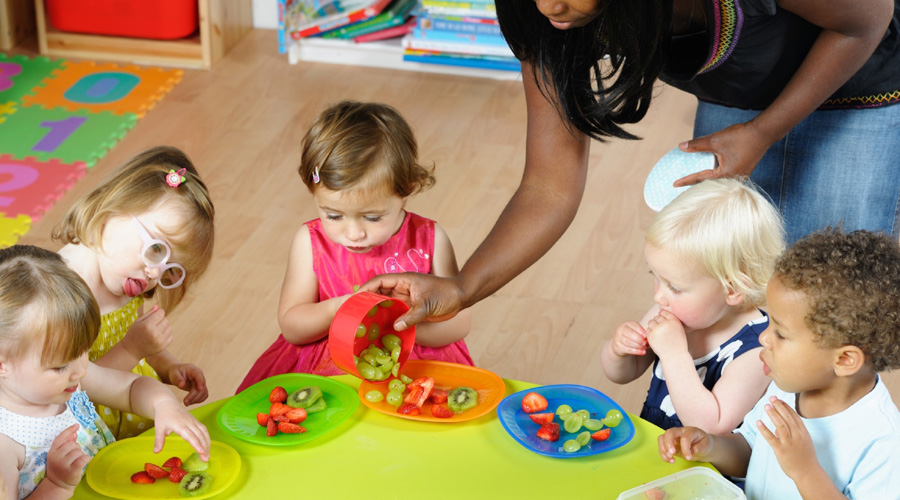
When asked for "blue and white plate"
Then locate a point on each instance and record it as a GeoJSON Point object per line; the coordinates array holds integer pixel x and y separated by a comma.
{"type": "Point", "coordinates": [658, 190]}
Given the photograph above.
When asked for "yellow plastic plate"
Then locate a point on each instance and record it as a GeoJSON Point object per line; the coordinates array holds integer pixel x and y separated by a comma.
{"type": "Point", "coordinates": [238, 416]}
{"type": "Point", "coordinates": [488, 385]}
{"type": "Point", "coordinates": [109, 473]}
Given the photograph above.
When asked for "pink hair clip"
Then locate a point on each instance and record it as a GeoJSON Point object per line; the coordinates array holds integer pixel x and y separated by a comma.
{"type": "Point", "coordinates": [316, 175]}
{"type": "Point", "coordinates": [174, 178]}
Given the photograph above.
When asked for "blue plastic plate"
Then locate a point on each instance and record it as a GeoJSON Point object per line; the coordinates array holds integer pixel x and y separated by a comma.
{"type": "Point", "coordinates": [658, 190]}
{"type": "Point", "coordinates": [522, 429]}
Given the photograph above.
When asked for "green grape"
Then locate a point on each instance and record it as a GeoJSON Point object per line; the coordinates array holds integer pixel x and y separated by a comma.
{"type": "Point", "coordinates": [382, 375]}
{"type": "Point", "coordinates": [375, 350]}
{"type": "Point", "coordinates": [395, 398]}
{"type": "Point", "coordinates": [395, 353]}
{"type": "Point", "coordinates": [613, 417]}
{"type": "Point", "coordinates": [395, 370]}
{"type": "Point", "coordinates": [563, 410]}
{"type": "Point", "coordinates": [566, 416]}
{"type": "Point", "coordinates": [374, 332]}
{"type": "Point", "coordinates": [584, 414]}
{"type": "Point", "coordinates": [382, 360]}
{"type": "Point", "coordinates": [372, 312]}
{"type": "Point", "coordinates": [390, 341]}
{"type": "Point", "coordinates": [374, 396]}
{"type": "Point", "coordinates": [584, 438]}
{"type": "Point", "coordinates": [388, 367]}
{"type": "Point", "coordinates": [406, 380]}
{"type": "Point", "coordinates": [573, 423]}
{"type": "Point", "coordinates": [571, 446]}
{"type": "Point", "coordinates": [367, 371]}
{"type": "Point", "coordinates": [592, 424]}
{"type": "Point", "coordinates": [386, 303]}
{"type": "Point", "coordinates": [360, 331]}
{"type": "Point", "coordinates": [396, 385]}
{"type": "Point", "coordinates": [369, 357]}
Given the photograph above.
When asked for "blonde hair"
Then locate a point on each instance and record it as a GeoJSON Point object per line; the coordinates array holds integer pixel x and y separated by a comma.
{"type": "Point", "coordinates": [728, 227]}
{"type": "Point", "coordinates": [43, 301]}
{"type": "Point", "coordinates": [137, 187]}
{"type": "Point", "coordinates": [364, 147]}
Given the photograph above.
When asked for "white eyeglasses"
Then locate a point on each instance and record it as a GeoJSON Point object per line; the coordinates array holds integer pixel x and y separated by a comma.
{"type": "Point", "coordinates": [156, 254]}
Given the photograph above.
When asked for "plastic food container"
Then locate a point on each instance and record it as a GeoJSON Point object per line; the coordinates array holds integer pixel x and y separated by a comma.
{"type": "Point", "coordinates": [696, 483]}
{"type": "Point", "coordinates": [156, 19]}
{"type": "Point", "coordinates": [366, 309]}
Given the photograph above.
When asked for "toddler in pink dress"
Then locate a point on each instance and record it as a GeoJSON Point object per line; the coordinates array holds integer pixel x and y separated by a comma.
{"type": "Point", "coordinates": [360, 163]}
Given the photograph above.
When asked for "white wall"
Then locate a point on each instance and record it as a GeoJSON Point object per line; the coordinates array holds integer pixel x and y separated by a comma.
{"type": "Point", "coordinates": [265, 14]}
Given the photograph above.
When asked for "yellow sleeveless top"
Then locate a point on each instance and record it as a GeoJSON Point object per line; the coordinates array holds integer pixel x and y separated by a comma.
{"type": "Point", "coordinates": [113, 327]}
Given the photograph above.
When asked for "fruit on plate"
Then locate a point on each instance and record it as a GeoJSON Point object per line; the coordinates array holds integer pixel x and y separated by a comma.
{"type": "Point", "coordinates": [462, 398]}
{"type": "Point", "coordinates": [439, 396]}
{"type": "Point", "coordinates": [194, 463]}
{"type": "Point", "coordinates": [155, 471]}
{"type": "Point", "coordinates": [317, 406]}
{"type": "Point", "coordinates": [172, 462]}
{"type": "Point", "coordinates": [542, 418]}
{"type": "Point", "coordinates": [571, 446]}
{"type": "Point", "coordinates": [304, 397]}
{"type": "Point", "coordinates": [439, 411]}
{"type": "Point", "coordinates": [295, 415]}
{"type": "Point", "coordinates": [271, 427]}
{"type": "Point", "coordinates": [177, 474]}
{"type": "Point", "coordinates": [195, 484]}
{"type": "Point", "coordinates": [142, 478]}
{"type": "Point", "coordinates": [278, 409]}
{"type": "Point", "coordinates": [409, 409]}
{"type": "Point", "coordinates": [278, 395]}
{"type": "Point", "coordinates": [289, 428]}
{"type": "Point", "coordinates": [534, 402]}
{"type": "Point", "coordinates": [613, 418]}
{"type": "Point", "coordinates": [601, 435]}
{"type": "Point", "coordinates": [549, 432]}
{"type": "Point", "coordinates": [419, 391]}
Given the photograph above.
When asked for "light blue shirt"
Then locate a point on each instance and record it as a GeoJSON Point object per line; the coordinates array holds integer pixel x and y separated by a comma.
{"type": "Point", "coordinates": [859, 448]}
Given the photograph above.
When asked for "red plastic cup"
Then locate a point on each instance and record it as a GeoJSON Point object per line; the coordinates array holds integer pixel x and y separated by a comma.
{"type": "Point", "coordinates": [343, 342]}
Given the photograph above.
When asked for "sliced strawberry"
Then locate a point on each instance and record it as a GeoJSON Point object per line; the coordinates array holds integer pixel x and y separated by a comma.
{"type": "Point", "coordinates": [271, 428]}
{"type": "Point", "coordinates": [549, 432]}
{"type": "Point", "coordinates": [281, 418]}
{"type": "Point", "coordinates": [296, 415]}
{"type": "Point", "coordinates": [142, 478]}
{"type": "Point", "coordinates": [601, 435]}
{"type": "Point", "coordinates": [155, 471]}
{"type": "Point", "coordinates": [278, 395]}
{"type": "Point", "coordinates": [176, 462]}
{"type": "Point", "coordinates": [533, 402]}
{"type": "Point", "coordinates": [176, 474]}
{"type": "Point", "coordinates": [419, 391]}
{"type": "Point", "coordinates": [289, 428]}
{"type": "Point", "coordinates": [655, 493]}
{"type": "Point", "coordinates": [409, 409]}
{"type": "Point", "coordinates": [278, 409]}
{"type": "Point", "coordinates": [441, 411]}
{"type": "Point", "coordinates": [439, 396]}
{"type": "Point", "coordinates": [542, 418]}
{"type": "Point", "coordinates": [261, 419]}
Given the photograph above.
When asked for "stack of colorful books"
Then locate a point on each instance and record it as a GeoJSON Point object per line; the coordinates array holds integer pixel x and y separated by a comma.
{"type": "Point", "coordinates": [459, 33]}
{"type": "Point", "coordinates": [358, 20]}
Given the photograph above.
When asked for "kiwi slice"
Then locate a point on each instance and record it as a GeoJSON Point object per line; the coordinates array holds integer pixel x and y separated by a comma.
{"type": "Point", "coordinates": [304, 397]}
{"type": "Point", "coordinates": [195, 484]}
{"type": "Point", "coordinates": [462, 399]}
{"type": "Point", "coordinates": [194, 463]}
{"type": "Point", "coordinates": [317, 406]}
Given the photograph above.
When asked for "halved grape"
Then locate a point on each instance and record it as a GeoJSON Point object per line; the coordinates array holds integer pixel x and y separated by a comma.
{"type": "Point", "coordinates": [374, 332]}
{"type": "Point", "coordinates": [592, 424]}
{"type": "Point", "coordinates": [390, 341]}
{"type": "Point", "coordinates": [372, 312]}
{"type": "Point", "coordinates": [395, 398]}
{"type": "Point", "coordinates": [563, 410]}
{"type": "Point", "coordinates": [367, 371]}
{"type": "Point", "coordinates": [382, 359]}
{"type": "Point", "coordinates": [571, 446]}
{"type": "Point", "coordinates": [395, 353]}
{"type": "Point", "coordinates": [406, 380]}
{"type": "Point", "coordinates": [584, 438]}
{"type": "Point", "coordinates": [584, 414]}
{"type": "Point", "coordinates": [613, 417]}
{"type": "Point", "coordinates": [386, 303]}
{"type": "Point", "coordinates": [573, 423]}
{"type": "Point", "coordinates": [374, 396]}
{"type": "Point", "coordinates": [360, 331]}
{"type": "Point", "coordinates": [396, 385]}
{"type": "Point", "coordinates": [395, 370]}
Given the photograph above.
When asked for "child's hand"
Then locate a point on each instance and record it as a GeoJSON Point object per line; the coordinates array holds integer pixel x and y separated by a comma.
{"type": "Point", "coordinates": [149, 334]}
{"type": "Point", "coordinates": [171, 417]}
{"type": "Point", "coordinates": [65, 460]}
{"type": "Point", "coordinates": [791, 442]}
{"type": "Point", "coordinates": [665, 334]}
{"type": "Point", "coordinates": [188, 377]}
{"type": "Point", "coordinates": [690, 443]}
{"type": "Point", "coordinates": [630, 339]}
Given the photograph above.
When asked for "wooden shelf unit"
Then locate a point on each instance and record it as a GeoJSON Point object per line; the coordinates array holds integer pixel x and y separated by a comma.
{"type": "Point", "coordinates": [222, 25]}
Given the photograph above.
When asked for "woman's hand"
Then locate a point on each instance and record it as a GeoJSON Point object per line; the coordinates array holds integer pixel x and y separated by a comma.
{"type": "Point", "coordinates": [430, 298]}
{"type": "Point", "coordinates": [738, 150]}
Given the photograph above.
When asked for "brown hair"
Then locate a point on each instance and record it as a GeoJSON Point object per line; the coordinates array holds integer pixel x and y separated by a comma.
{"type": "Point", "coordinates": [137, 187]}
{"type": "Point", "coordinates": [41, 299]}
{"type": "Point", "coordinates": [364, 146]}
{"type": "Point", "coordinates": [852, 285]}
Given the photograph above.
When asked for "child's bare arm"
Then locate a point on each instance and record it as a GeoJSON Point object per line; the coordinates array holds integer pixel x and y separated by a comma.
{"type": "Point", "coordinates": [721, 410]}
{"type": "Point", "coordinates": [301, 316]}
{"type": "Point", "coordinates": [729, 453]}
{"type": "Point", "coordinates": [627, 355]}
{"type": "Point", "coordinates": [9, 466]}
{"type": "Point", "coordinates": [443, 264]}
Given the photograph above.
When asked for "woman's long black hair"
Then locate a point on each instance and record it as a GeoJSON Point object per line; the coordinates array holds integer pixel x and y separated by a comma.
{"type": "Point", "coordinates": [633, 33]}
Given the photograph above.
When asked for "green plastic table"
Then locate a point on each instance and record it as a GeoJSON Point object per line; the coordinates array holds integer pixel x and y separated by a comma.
{"type": "Point", "coordinates": [376, 456]}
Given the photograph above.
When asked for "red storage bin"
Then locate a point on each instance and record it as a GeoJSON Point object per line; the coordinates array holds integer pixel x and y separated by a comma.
{"type": "Point", "coordinates": [157, 19]}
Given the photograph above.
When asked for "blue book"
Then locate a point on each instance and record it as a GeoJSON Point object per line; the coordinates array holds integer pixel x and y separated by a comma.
{"type": "Point", "coordinates": [457, 37]}
{"type": "Point", "coordinates": [459, 24]}
{"type": "Point", "coordinates": [469, 61]}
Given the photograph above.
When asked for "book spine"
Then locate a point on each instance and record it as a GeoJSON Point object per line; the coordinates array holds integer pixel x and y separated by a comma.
{"type": "Point", "coordinates": [469, 62]}
{"type": "Point", "coordinates": [410, 42]}
{"type": "Point", "coordinates": [438, 23]}
{"type": "Point", "coordinates": [394, 32]}
{"type": "Point", "coordinates": [350, 17]}
{"type": "Point", "coordinates": [472, 5]}
{"type": "Point", "coordinates": [460, 12]}
{"type": "Point", "coordinates": [394, 16]}
{"type": "Point", "coordinates": [459, 37]}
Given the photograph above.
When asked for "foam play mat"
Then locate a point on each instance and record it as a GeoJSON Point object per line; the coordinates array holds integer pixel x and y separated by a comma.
{"type": "Point", "coordinates": [57, 119]}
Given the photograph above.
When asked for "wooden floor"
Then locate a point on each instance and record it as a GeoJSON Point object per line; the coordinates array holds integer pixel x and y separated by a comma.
{"type": "Point", "coordinates": [242, 123]}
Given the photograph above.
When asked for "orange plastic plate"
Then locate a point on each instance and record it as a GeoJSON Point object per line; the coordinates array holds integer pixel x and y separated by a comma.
{"type": "Point", "coordinates": [488, 385]}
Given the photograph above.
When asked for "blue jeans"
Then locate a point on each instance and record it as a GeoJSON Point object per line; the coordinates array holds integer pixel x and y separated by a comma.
{"type": "Point", "coordinates": [835, 167]}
